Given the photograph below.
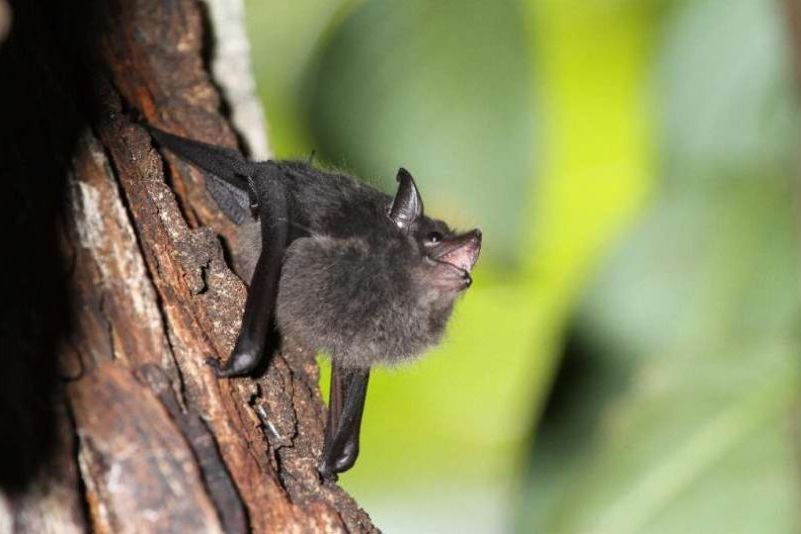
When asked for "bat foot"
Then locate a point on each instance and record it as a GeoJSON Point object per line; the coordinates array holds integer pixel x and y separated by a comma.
{"type": "Point", "coordinates": [219, 370]}
{"type": "Point", "coordinates": [331, 465]}
{"type": "Point", "coordinates": [239, 364]}
{"type": "Point", "coordinates": [326, 473]}
{"type": "Point", "coordinates": [329, 471]}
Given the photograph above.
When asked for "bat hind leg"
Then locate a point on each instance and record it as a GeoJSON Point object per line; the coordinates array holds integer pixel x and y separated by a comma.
{"type": "Point", "coordinates": [346, 406]}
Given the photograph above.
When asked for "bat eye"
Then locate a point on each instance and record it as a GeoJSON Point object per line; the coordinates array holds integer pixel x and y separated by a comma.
{"type": "Point", "coordinates": [433, 238]}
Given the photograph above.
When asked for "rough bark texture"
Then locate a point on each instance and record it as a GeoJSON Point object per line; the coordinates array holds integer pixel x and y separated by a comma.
{"type": "Point", "coordinates": [117, 287]}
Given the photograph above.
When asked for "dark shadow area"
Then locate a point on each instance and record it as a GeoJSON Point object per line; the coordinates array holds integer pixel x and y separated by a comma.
{"type": "Point", "coordinates": [45, 105]}
{"type": "Point", "coordinates": [564, 436]}
{"type": "Point", "coordinates": [574, 376]}
{"type": "Point", "coordinates": [586, 382]}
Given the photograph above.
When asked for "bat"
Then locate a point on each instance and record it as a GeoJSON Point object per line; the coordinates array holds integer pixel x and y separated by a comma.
{"type": "Point", "coordinates": [363, 276]}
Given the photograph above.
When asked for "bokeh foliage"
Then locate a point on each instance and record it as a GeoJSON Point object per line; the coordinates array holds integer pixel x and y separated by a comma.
{"type": "Point", "coordinates": [631, 165]}
{"type": "Point", "coordinates": [690, 331]}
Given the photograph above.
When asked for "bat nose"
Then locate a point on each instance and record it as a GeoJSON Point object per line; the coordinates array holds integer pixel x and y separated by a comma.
{"type": "Point", "coordinates": [473, 246]}
{"type": "Point", "coordinates": [476, 235]}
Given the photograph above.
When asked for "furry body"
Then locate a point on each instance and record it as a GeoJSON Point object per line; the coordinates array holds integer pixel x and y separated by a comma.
{"type": "Point", "coordinates": [344, 268]}
{"type": "Point", "coordinates": [350, 286]}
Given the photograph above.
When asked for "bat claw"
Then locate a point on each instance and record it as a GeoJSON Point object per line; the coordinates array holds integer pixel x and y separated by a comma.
{"type": "Point", "coordinates": [240, 363]}
{"type": "Point", "coordinates": [326, 473]}
{"type": "Point", "coordinates": [329, 469]}
{"type": "Point", "coordinates": [221, 371]}
{"type": "Point", "coordinates": [214, 364]}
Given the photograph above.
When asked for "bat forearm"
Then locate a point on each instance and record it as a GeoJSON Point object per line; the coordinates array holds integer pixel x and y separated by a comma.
{"type": "Point", "coordinates": [258, 318]}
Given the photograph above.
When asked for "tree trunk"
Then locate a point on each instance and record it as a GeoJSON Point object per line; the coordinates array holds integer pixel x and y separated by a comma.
{"type": "Point", "coordinates": [118, 287]}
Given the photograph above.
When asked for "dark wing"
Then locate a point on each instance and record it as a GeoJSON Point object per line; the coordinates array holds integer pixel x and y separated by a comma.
{"type": "Point", "coordinates": [229, 171]}
{"type": "Point", "coordinates": [258, 319]}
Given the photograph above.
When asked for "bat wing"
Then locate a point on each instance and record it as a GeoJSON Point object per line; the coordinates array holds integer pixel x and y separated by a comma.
{"type": "Point", "coordinates": [230, 172]}
{"type": "Point", "coordinates": [226, 164]}
{"type": "Point", "coordinates": [258, 319]}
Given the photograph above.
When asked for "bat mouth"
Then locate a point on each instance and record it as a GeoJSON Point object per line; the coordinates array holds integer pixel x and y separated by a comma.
{"type": "Point", "coordinates": [460, 254]}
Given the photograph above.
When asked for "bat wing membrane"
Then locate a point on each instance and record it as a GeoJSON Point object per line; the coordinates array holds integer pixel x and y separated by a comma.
{"type": "Point", "coordinates": [224, 163]}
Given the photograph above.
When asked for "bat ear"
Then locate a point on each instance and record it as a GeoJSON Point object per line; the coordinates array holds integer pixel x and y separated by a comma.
{"type": "Point", "coordinates": [408, 205]}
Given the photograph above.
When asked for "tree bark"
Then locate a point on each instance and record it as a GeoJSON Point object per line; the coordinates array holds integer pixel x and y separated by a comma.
{"type": "Point", "coordinates": [118, 287]}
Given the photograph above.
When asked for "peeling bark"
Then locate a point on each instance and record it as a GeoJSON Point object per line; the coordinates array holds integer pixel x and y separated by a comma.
{"type": "Point", "coordinates": [122, 288]}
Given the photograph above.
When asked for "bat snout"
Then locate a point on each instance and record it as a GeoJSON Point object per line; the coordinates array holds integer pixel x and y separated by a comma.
{"type": "Point", "coordinates": [455, 258]}
{"type": "Point", "coordinates": [462, 251]}
{"type": "Point", "coordinates": [474, 246]}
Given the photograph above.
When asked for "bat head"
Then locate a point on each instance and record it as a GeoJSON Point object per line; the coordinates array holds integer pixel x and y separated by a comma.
{"type": "Point", "coordinates": [446, 257]}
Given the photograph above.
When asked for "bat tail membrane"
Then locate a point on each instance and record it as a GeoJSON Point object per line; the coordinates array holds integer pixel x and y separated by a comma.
{"type": "Point", "coordinates": [224, 163]}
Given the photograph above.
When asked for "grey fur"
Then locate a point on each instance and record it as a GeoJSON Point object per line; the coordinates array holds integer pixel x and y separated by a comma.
{"type": "Point", "coordinates": [363, 304]}
{"type": "Point", "coordinates": [357, 286]}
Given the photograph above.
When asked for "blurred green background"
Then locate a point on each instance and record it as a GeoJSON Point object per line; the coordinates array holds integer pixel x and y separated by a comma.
{"type": "Point", "coordinates": [627, 359]}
